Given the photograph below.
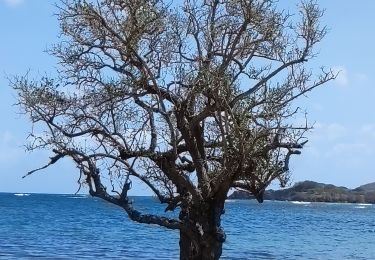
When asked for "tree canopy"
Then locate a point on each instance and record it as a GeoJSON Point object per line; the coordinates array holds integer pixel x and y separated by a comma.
{"type": "Point", "coordinates": [191, 98]}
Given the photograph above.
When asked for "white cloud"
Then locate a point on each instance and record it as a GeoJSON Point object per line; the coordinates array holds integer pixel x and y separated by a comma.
{"type": "Point", "coordinates": [361, 76]}
{"type": "Point", "coordinates": [14, 3]}
{"type": "Point", "coordinates": [338, 152]}
{"type": "Point", "coordinates": [341, 143]}
{"type": "Point", "coordinates": [330, 132]}
{"type": "Point", "coordinates": [348, 150]}
{"type": "Point", "coordinates": [10, 155]}
{"type": "Point", "coordinates": [342, 78]}
{"type": "Point", "coordinates": [368, 131]}
{"type": "Point", "coordinates": [10, 150]}
{"type": "Point", "coordinates": [324, 137]}
{"type": "Point", "coordinates": [6, 137]}
{"type": "Point", "coordinates": [317, 107]}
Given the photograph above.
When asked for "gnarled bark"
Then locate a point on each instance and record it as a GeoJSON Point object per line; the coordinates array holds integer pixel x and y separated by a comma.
{"type": "Point", "coordinates": [201, 236]}
{"type": "Point", "coordinates": [198, 249]}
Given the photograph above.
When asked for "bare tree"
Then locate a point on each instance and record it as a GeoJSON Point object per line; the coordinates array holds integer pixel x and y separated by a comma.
{"type": "Point", "coordinates": [192, 99]}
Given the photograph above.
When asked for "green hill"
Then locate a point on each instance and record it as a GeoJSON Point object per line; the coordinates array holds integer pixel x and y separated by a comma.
{"type": "Point", "coordinates": [316, 192]}
{"type": "Point", "coordinates": [367, 187]}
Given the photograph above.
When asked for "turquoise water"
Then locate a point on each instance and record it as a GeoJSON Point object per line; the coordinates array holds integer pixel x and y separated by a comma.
{"type": "Point", "coordinates": [80, 227]}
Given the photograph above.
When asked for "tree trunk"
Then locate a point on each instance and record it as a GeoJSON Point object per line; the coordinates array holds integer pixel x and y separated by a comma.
{"type": "Point", "coordinates": [204, 248]}
{"type": "Point", "coordinates": [202, 236]}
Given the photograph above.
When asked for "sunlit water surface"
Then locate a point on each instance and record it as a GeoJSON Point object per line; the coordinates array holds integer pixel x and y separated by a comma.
{"type": "Point", "coordinates": [80, 227]}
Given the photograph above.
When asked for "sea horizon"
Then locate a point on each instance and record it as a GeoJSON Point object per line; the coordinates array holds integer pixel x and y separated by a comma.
{"type": "Point", "coordinates": [67, 226]}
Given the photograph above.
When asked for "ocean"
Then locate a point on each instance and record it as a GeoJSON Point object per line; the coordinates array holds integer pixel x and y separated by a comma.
{"type": "Point", "coordinates": [40, 226]}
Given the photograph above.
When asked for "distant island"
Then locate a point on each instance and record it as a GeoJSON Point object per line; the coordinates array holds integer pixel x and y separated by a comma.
{"type": "Point", "coordinates": [310, 191]}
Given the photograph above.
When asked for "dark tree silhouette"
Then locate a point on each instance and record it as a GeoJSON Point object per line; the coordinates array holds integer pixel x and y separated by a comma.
{"type": "Point", "coordinates": [192, 99]}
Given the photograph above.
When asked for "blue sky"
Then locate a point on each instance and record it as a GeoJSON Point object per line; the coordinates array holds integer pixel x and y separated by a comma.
{"type": "Point", "coordinates": [341, 149]}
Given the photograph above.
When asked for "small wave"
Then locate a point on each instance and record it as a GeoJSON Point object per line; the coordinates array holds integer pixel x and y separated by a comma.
{"type": "Point", "coordinates": [230, 201]}
{"type": "Point", "coordinates": [360, 207]}
{"type": "Point", "coordinates": [337, 203]}
{"type": "Point", "coordinates": [21, 194]}
{"type": "Point", "coordinates": [77, 197]}
{"type": "Point", "coordinates": [364, 204]}
{"type": "Point", "coordinates": [301, 202]}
